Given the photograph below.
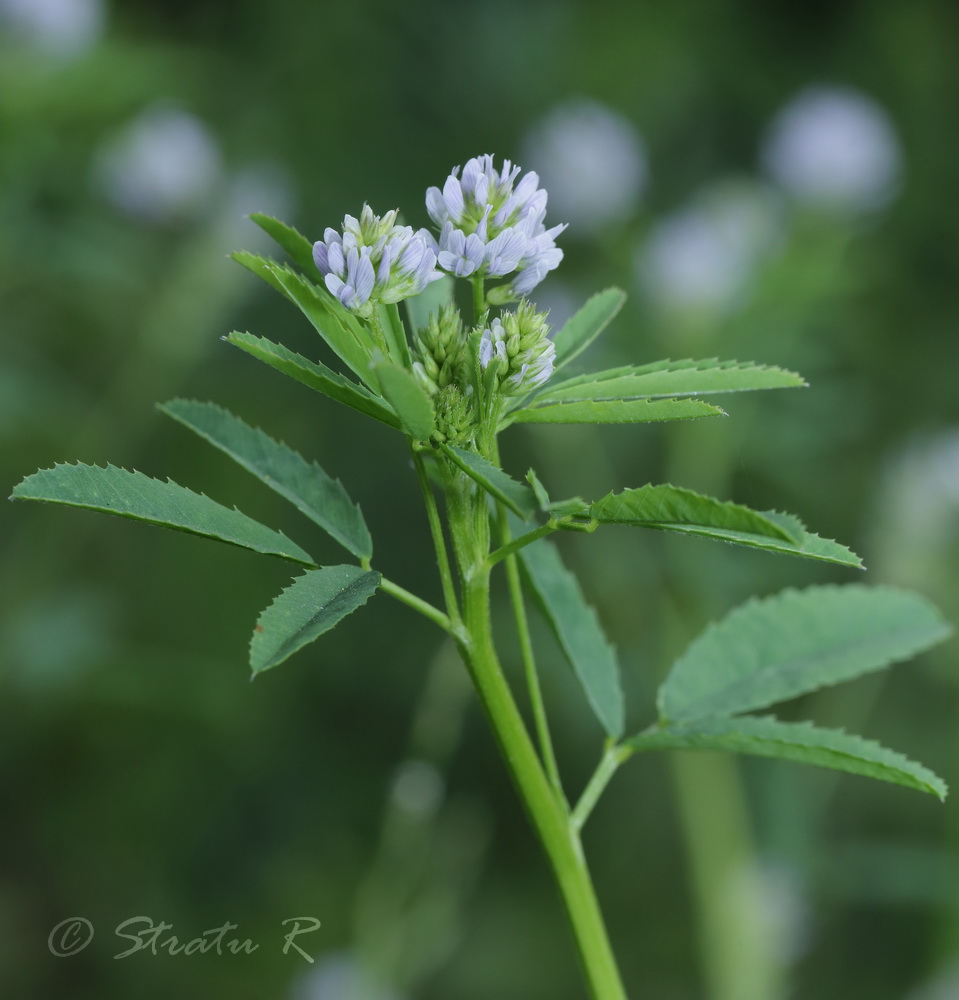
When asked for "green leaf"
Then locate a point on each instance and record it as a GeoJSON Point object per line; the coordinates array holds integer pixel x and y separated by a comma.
{"type": "Point", "coordinates": [293, 242]}
{"type": "Point", "coordinates": [670, 508]}
{"type": "Point", "coordinates": [519, 498]}
{"type": "Point", "coordinates": [769, 650]}
{"type": "Point", "coordinates": [431, 299]}
{"type": "Point", "coordinates": [408, 399]}
{"type": "Point", "coordinates": [797, 741]}
{"type": "Point", "coordinates": [579, 632]}
{"type": "Point", "coordinates": [310, 606]}
{"type": "Point", "coordinates": [131, 494]}
{"type": "Point", "coordinates": [347, 337]}
{"type": "Point", "coordinates": [315, 375]}
{"type": "Point", "coordinates": [304, 484]}
{"type": "Point", "coordinates": [616, 412]}
{"type": "Point", "coordinates": [680, 378]}
{"type": "Point", "coordinates": [581, 329]}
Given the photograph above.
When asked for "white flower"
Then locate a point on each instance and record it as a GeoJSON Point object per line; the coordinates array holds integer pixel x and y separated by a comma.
{"type": "Point", "coordinates": [834, 147]}
{"type": "Point", "coordinates": [593, 162]}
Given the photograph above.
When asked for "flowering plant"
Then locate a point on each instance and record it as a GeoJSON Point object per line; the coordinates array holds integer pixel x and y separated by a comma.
{"type": "Point", "coordinates": [449, 384]}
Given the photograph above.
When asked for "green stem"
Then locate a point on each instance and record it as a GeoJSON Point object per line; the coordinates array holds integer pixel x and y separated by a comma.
{"type": "Point", "coordinates": [439, 540]}
{"type": "Point", "coordinates": [479, 299]}
{"type": "Point", "coordinates": [417, 603]}
{"type": "Point", "coordinates": [547, 811]}
{"type": "Point", "coordinates": [607, 767]}
{"type": "Point", "coordinates": [518, 543]}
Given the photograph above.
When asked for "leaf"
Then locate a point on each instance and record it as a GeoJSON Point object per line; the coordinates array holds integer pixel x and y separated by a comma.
{"type": "Point", "coordinates": [346, 336]}
{"type": "Point", "coordinates": [572, 507]}
{"type": "Point", "coordinates": [682, 378]}
{"type": "Point", "coordinates": [431, 299]}
{"type": "Point", "coordinates": [408, 399]}
{"type": "Point", "coordinates": [616, 412]}
{"type": "Point", "coordinates": [769, 650]}
{"type": "Point", "coordinates": [134, 495]}
{"type": "Point", "coordinates": [519, 498]}
{"type": "Point", "coordinates": [581, 329]}
{"type": "Point", "coordinates": [671, 508]}
{"type": "Point", "coordinates": [579, 632]}
{"type": "Point", "coordinates": [304, 484]}
{"type": "Point", "coordinates": [798, 741]}
{"type": "Point", "coordinates": [315, 375]}
{"type": "Point", "coordinates": [299, 248]}
{"type": "Point", "coordinates": [310, 606]}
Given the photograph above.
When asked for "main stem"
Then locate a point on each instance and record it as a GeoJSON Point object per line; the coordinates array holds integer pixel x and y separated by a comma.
{"type": "Point", "coordinates": [546, 809]}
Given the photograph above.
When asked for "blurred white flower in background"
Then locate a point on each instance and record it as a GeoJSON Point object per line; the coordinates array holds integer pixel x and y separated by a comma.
{"type": "Point", "coordinates": [591, 159]}
{"type": "Point", "coordinates": [943, 986]}
{"type": "Point", "coordinates": [338, 977]}
{"type": "Point", "coordinates": [836, 148]}
{"type": "Point", "coordinates": [59, 27]}
{"type": "Point", "coordinates": [163, 165]}
{"type": "Point", "coordinates": [705, 255]}
{"type": "Point", "coordinates": [918, 509]}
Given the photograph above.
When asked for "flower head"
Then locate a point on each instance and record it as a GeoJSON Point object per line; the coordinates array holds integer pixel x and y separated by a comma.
{"type": "Point", "coordinates": [521, 342]}
{"type": "Point", "coordinates": [492, 226]}
{"type": "Point", "coordinates": [374, 260]}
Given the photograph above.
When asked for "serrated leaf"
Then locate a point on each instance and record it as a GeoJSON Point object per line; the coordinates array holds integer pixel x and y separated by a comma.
{"type": "Point", "coordinates": [315, 375]}
{"type": "Point", "coordinates": [299, 248]}
{"type": "Point", "coordinates": [310, 606]}
{"type": "Point", "coordinates": [519, 498]}
{"type": "Point", "coordinates": [770, 650]}
{"type": "Point", "coordinates": [573, 506]}
{"type": "Point", "coordinates": [671, 508]}
{"type": "Point", "coordinates": [684, 378]}
{"type": "Point", "coordinates": [304, 484]}
{"type": "Point", "coordinates": [577, 627]}
{"type": "Point", "coordinates": [616, 412]}
{"type": "Point", "coordinates": [134, 495]}
{"type": "Point", "coordinates": [408, 399]}
{"type": "Point", "coordinates": [582, 328]}
{"type": "Point", "coordinates": [347, 337]}
{"type": "Point", "coordinates": [796, 741]}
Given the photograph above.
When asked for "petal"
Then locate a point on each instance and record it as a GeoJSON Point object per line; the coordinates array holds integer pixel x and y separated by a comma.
{"type": "Point", "coordinates": [321, 257]}
{"type": "Point", "coordinates": [436, 206]}
{"type": "Point", "coordinates": [453, 196]}
{"type": "Point", "coordinates": [365, 279]}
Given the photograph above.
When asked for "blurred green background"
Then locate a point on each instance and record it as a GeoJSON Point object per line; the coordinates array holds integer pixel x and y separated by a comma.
{"type": "Point", "coordinates": [769, 182]}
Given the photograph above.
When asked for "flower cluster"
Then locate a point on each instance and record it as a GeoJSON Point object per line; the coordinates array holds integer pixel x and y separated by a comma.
{"type": "Point", "coordinates": [375, 260]}
{"type": "Point", "coordinates": [520, 341]}
{"type": "Point", "coordinates": [491, 228]}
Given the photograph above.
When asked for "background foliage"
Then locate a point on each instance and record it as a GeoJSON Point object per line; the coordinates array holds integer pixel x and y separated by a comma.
{"type": "Point", "coordinates": [141, 773]}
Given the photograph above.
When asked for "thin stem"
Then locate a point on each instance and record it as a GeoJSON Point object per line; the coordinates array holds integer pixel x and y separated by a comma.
{"type": "Point", "coordinates": [607, 767]}
{"type": "Point", "coordinates": [518, 543]}
{"type": "Point", "coordinates": [418, 604]}
{"type": "Point", "coordinates": [515, 586]}
{"type": "Point", "coordinates": [479, 299]}
{"type": "Point", "coordinates": [439, 540]}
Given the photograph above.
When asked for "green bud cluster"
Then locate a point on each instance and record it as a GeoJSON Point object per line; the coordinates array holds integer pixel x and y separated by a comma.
{"type": "Point", "coordinates": [520, 342]}
{"type": "Point", "coordinates": [440, 350]}
{"type": "Point", "coordinates": [455, 420]}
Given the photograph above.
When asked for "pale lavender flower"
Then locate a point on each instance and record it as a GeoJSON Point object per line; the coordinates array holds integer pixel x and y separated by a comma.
{"type": "Point", "coordinates": [836, 148]}
{"type": "Point", "coordinates": [375, 260]}
{"type": "Point", "coordinates": [491, 228]}
{"type": "Point", "coordinates": [594, 162]}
